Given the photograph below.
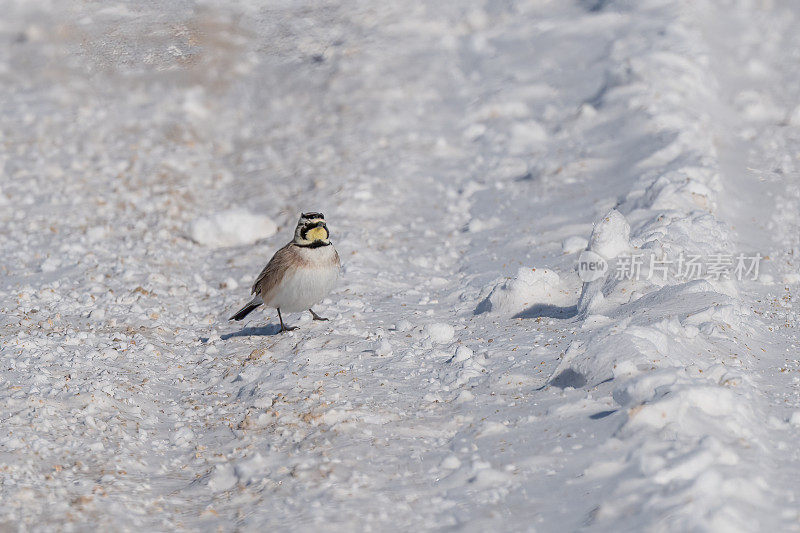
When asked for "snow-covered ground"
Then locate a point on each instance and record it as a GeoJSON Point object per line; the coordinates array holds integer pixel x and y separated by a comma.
{"type": "Point", "coordinates": [154, 155]}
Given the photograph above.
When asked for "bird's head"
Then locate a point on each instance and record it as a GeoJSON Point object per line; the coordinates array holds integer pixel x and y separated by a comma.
{"type": "Point", "coordinates": [311, 230]}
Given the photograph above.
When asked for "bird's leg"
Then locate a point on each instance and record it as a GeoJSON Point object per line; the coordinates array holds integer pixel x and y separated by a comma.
{"type": "Point", "coordinates": [284, 328]}
{"type": "Point", "coordinates": [315, 315]}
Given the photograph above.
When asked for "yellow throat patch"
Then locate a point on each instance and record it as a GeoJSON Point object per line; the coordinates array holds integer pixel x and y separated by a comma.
{"type": "Point", "coordinates": [317, 234]}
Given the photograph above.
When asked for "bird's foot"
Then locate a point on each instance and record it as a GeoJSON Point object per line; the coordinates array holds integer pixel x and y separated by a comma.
{"type": "Point", "coordinates": [316, 316]}
{"type": "Point", "coordinates": [283, 327]}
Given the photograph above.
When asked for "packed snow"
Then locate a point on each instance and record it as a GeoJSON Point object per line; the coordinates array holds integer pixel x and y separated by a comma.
{"type": "Point", "coordinates": [569, 235]}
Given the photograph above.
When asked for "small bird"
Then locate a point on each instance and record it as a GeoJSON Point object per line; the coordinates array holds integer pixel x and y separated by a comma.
{"type": "Point", "coordinates": [300, 274]}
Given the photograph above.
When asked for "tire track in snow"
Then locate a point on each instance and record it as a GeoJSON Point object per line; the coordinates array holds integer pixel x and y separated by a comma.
{"type": "Point", "coordinates": [689, 424]}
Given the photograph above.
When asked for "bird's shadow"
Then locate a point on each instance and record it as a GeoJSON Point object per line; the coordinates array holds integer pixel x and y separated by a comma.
{"type": "Point", "coordinates": [548, 311]}
{"type": "Point", "coordinates": [263, 331]}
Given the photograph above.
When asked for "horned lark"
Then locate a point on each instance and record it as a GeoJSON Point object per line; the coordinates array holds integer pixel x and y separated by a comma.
{"type": "Point", "coordinates": [300, 274]}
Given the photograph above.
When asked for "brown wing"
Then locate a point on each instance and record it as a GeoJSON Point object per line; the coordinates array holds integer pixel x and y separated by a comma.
{"type": "Point", "coordinates": [274, 271]}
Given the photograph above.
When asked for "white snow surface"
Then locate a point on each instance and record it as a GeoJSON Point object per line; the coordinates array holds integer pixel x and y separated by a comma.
{"type": "Point", "coordinates": [463, 153]}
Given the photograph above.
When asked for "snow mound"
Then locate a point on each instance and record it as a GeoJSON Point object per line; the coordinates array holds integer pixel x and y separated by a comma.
{"type": "Point", "coordinates": [687, 187]}
{"type": "Point", "coordinates": [611, 236]}
{"type": "Point", "coordinates": [233, 227]}
{"type": "Point", "coordinates": [526, 136]}
{"type": "Point", "coordinates": [610, 239]}
{"type": "Point", "coordinates": [574, 244]}
{"type": "Point", "coordinates": [530, 287]}
{"type": "Point", "coordinates": [440, 332]}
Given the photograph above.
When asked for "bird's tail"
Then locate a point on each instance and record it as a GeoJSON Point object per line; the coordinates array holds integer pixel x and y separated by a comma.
{"type": "Point", "coordinates": [247, 309]}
